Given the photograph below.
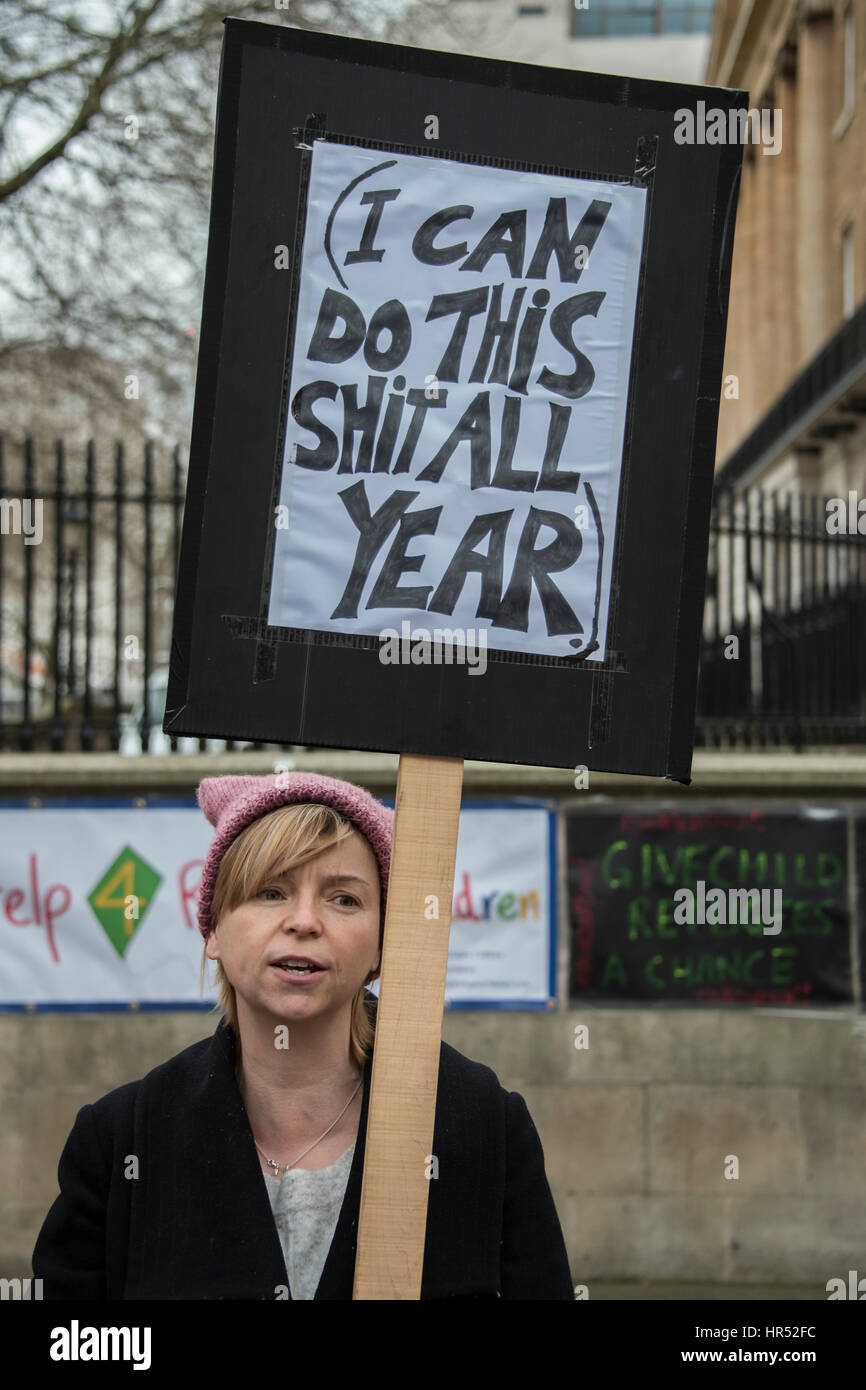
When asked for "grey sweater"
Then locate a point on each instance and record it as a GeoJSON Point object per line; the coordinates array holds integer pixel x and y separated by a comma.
{"type": "Point", "coordinates": [306, 1205]}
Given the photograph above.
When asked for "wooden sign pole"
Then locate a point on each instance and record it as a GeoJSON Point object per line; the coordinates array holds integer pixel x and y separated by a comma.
{"type": "Point", "coordinates": [399, 1141]}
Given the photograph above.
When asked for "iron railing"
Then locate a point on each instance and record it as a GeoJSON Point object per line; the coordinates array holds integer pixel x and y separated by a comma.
{"type": "Point", "coordinates": [86, 608]}
{"type": "Point", "coordinates": [783, 654]}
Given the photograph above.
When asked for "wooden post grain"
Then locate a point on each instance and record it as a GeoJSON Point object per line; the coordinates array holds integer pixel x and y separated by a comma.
{"type": "Point", "coordinates": [393, 1213]}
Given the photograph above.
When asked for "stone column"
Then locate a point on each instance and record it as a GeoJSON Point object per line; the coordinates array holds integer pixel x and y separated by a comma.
{"type": "Point", "coordinates": [787, 227]}
{"type": "Point", "coordinates": [817, 98]}
{"type": "Point", "coordinates": [747, 347]}
{"type": "Point", "coordinates": [766, 255]}
{"type": "Point", "coordinates": [785, 268]}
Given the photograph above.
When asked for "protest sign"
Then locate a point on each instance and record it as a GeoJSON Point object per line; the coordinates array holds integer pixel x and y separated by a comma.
{"type": "Point", "coordinates": [451, 465]}
{"type": "Point", "coordinates": [456, 405]}
{"type": "Point", "coordinates": [685, 905]}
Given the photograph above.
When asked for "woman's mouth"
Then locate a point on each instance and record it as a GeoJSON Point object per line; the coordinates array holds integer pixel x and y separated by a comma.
{"type": "Point", "coordinates": [297, 972]}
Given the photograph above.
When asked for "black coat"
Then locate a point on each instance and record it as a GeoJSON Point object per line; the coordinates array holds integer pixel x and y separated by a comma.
{"type": "Point", "coordinates": [197, 1221]}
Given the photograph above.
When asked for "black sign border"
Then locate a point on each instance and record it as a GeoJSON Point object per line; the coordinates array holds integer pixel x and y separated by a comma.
{"type": "Point", "coordinates": [230, 679]}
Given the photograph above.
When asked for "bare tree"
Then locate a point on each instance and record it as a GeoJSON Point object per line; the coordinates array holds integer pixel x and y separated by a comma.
{"type": "Point", "coordinates": [106, 130]}
{"type": "Point", "coordinates": [106, 135]}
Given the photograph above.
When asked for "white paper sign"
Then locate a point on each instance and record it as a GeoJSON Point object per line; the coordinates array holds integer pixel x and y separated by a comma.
{"type": "Point", "coordinates": [98, 907]}
{"type": "Point", "coordinates": [457, 402]}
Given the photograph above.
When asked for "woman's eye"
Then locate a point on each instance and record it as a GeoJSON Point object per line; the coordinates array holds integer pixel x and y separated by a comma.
{"type": "Point", "coordinates": [343, 899]}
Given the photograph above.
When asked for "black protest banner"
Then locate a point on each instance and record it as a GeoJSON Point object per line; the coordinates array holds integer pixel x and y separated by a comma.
{"type": "Point", "coordinates": [455, 415]}
{"type": "Point", "coordinates": [711, 905]}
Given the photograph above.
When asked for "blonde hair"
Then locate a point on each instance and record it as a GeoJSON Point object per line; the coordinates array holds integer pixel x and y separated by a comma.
{"type": "Point", "coordinates": [280, 840]}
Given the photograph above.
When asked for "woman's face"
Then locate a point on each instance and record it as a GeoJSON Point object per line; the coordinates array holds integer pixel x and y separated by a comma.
{"type": "Point", "coordinates": [326, 911]}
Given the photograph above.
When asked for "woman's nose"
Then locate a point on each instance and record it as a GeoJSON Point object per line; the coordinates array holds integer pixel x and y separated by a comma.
{"type": "Point", "coordinates": [301, 912]}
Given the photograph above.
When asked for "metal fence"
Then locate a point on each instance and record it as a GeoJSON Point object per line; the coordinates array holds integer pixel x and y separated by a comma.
{"type": "Point", "coordinates": [87, 593]}
{"type": "Point", "coordinates": [86, 596]}
{"type": "Point", "coordinates": [783, 655]}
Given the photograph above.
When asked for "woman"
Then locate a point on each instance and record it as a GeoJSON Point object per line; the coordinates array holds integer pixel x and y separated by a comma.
{"type": "Point", "coordinates": [233, 1170]}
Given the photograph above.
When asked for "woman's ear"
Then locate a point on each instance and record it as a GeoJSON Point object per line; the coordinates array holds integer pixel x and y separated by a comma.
{"type": "Point", "coordinates": [211, 946]}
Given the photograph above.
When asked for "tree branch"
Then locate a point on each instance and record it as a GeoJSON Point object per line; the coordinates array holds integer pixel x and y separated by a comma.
{"type": "Point", "coordinates": [123, 41]}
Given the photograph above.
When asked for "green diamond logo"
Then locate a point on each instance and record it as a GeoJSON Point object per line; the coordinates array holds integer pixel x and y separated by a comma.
{"type": "Point", "coordinates": [122, 896]}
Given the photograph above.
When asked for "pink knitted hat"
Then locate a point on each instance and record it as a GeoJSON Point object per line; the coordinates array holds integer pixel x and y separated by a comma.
{"type": "Point", "coordinates": [231, 803]}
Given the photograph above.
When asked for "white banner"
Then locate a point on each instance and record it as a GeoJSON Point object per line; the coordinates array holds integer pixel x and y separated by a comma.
{"type": "Point", "coordinates": [72, 880]}
{"type": "Point", "coordinates": [503, 928]}
{"type": "Point", "coordinates": [458, 395]}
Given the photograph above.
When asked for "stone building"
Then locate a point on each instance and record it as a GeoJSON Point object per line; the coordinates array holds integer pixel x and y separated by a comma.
{"type": "Point", "coordinates": [793, 412]}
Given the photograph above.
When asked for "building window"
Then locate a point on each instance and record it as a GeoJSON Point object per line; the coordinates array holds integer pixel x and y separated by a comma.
{"type": "Point", "coordinates": [848, 301]}
{"type": "Point", "coordinates": [634, 18]}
